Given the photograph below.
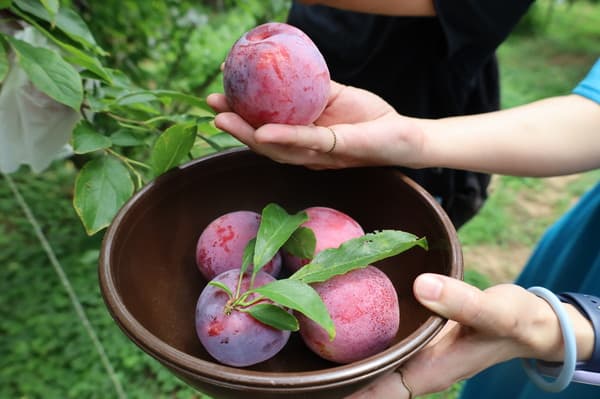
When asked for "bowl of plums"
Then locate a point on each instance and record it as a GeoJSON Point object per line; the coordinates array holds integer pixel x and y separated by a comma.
{"type": "Point", "coordinates": [249, 278]}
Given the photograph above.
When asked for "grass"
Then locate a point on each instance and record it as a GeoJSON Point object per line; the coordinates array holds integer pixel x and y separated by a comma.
{"type": "Point", "coordinates": [46, 353]}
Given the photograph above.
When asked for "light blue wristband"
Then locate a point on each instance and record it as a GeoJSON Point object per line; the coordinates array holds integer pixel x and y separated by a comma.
{"type": "Point", "coordinates": [570, 347]}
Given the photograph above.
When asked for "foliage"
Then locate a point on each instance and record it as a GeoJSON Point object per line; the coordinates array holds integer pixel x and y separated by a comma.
{"type": "Point", "coordinates": [141, 120]}
{"type": "Point", "coordinates": [45, 351]}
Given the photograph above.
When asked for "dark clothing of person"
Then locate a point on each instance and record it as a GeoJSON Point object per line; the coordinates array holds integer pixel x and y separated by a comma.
{"type": "Point", "coordinates": [427, 67]}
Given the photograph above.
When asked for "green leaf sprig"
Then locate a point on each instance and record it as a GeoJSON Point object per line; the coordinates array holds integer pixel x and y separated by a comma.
{"type": "Point", "coordinates": [277, 230]}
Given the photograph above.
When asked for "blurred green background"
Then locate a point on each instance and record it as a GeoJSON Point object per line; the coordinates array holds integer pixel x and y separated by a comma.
{"type": "Point", "coordinates": [45, 351]}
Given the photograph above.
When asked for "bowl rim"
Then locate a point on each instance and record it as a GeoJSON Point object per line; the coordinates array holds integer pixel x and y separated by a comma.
{"type": "Point", "coordinates": [241, 377]}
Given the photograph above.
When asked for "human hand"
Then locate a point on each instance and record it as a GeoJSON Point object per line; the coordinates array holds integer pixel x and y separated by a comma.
{"type": "Point", "coordinates": [368, 132]}
{"type": "Point", "coordinates": [485, 328]}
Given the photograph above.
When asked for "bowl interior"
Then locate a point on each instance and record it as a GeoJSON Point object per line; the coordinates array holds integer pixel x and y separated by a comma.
{"type": "Point", "coordinates": [148, 273]}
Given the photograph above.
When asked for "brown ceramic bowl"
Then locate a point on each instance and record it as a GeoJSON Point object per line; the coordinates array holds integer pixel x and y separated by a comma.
{"type": "Point", "coordinates": [150, 282]}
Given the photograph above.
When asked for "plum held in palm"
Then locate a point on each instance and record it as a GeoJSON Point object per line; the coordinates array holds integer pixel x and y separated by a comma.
{"type": "Point", "coordinates": [275, 73]}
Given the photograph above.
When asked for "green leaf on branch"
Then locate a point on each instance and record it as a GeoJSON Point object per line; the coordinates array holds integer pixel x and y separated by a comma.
{"type": "Point", "coordinates": [4, 64]}
{"type": "Point", "coordinates": [66, 20]}
{"type": "Point", "coordinates": [276, 227]}
{"type": "Point", "coordinates": [49, 73]}
{"type": "Point", "coordinates": [102, 187]}
{"type": "Point", "coordinates": [274, 316]}
{"type": "Point", "coordinates": [5, 4]}
{"type": "Point", "coordinates": [136, 98]}
{"type": "Point", "coordinates": [221, 141]}
{"type": "Point", "coordinates": [165, 96]}
{"type": "Point", "coordinates": [73, 54]}
{"type": "Point", "coordinates": [86, 139]}
{"type": "Point", "coordinates": [82, 59]}
{"type": "Point", "coordinates": [302, 243]}
{"type": "Point", "coordinates": [172, 146]}
{"type": "Point", "coordinates": [301, 297]}
{"type": "Point", "coordinates": [357, 253]}
{"type": "Point", "coordinates": [125, 138]}
{"type": "Point", "coordinates": [52, 7]}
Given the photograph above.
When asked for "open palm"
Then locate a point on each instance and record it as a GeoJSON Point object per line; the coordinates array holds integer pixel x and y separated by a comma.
{"type": "Point", "coordinates": [364, 125]}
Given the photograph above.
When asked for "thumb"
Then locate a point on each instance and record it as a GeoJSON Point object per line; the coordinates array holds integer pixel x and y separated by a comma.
{"type": "Point", "coordinates": [461, 302]}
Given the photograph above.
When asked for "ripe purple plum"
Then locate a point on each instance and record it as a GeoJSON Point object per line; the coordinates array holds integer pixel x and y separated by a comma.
{"type": "Point", "coordinates": [363, 304]}
{"type": "Point", "coordinates": [235, 339]}
{"type": "Point", "coordinates": [221, 245]}
{"type": "Point", "coordinates": [274, 73]}
{"type": "Point", "coordinates": [331, 228]}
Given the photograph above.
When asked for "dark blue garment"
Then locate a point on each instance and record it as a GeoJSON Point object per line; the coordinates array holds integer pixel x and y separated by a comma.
{"type": "Point", "coordinates": [566, 259]}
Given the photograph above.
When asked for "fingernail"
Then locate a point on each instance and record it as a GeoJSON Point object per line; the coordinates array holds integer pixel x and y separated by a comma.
{"type": "Point", "coordinates": [428, 287]}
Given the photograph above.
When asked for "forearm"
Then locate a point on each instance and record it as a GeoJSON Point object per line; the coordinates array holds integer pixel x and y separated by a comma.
{"type": "Point", "coordinates": [557, 136]}
{"type": "Point", "coordinates": [413, 8]}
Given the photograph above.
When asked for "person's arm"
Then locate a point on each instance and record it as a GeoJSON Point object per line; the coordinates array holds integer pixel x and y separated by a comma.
{"type": "Point", "coordinates": [414, 8]}
{"type": "Point", "coordinates": [556, 136]}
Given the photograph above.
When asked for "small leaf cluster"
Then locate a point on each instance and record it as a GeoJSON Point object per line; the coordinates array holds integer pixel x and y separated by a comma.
{"type": "Point", "coordinates": [277, 230]}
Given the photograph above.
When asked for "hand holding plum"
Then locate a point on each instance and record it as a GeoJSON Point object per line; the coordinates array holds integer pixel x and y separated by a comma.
{"type": "Point", "coordinates": [279, 100]}
{"type": "Point", "coordinates": [369, 132]}
{"type": "Point", "coordinates": [486, 327]}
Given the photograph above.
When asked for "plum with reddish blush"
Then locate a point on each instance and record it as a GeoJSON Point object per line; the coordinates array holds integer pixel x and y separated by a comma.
{"type": "Point", "coordinates": [275, 73]}
{"type": "Point", "coordinates": [235, 338]}
{"type": "Point", "coordinates": [363, 305]}
{"type": "Point", "coordinates": [331, 228]}
{"type": "Point", "coordinates": [221, 245]}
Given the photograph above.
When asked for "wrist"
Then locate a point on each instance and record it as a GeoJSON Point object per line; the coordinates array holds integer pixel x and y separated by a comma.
{"type": "Point", "coordinates": [428, 131]}
{"type": "Point", "coordinates": [587, 306]}
{"type": "Point", "coordinates": [545, 337]}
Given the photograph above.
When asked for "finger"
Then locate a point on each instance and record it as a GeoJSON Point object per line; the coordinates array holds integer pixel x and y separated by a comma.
{"type": "Point", "coordinates": [468, 305]}
{"type": "Point", "coordinates": [335, 89]}
{"type": "Point", "coordinates": [458, 355]}
{"type": "Point", "coordinates": [316, 138]}
{"type": "Point", "coordinates": [388, 386]}
{"type": "Point", "coordinates": [236, 126]}
{"type": "Point", "coordinates": [218, 102]}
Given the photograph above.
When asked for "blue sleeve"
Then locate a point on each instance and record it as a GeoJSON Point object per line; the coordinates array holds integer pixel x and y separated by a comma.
{"type": "Point", "coordinates": [589, 87]}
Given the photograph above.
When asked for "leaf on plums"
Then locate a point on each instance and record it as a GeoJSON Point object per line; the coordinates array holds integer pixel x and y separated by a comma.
{"type": "Point", "coordinates": [276, 227]}
{"type": "Point", "coordinates": [357, 253]}
{"type": "Point", "coordinates": [222, 286]}
{"type": "Point", "coordinates": [302, 243]}
{"type": "Point", "coordinates": [301, 297]}
{"type": "Point", "coordinates": [274, 316]}
{"type": "Point", "coordinates": [247, 256]}
{"type": "Point", "coordinates": [172, 146]}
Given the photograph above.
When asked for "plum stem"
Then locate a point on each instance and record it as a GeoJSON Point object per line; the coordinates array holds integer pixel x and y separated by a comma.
{"type": "Point", "coordinates": [239, 286]}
